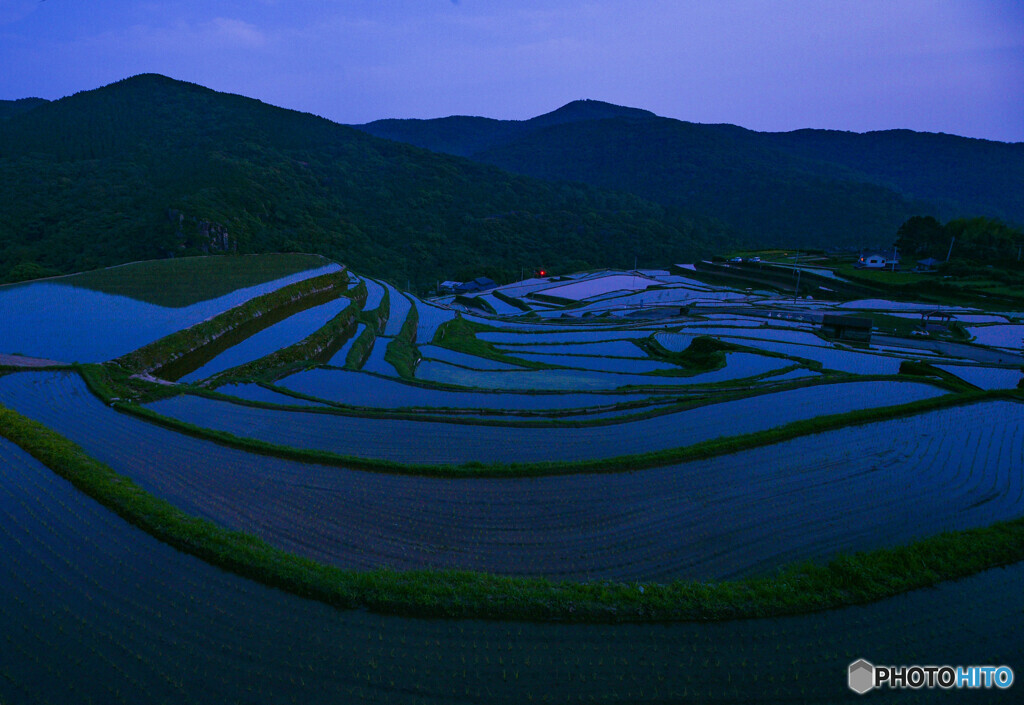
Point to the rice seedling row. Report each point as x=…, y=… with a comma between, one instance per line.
x=599, y=364
x=363, y=390
x=454, y=357
x=652, y=525
x=196, y=634
x=600, y=348
x=436, y=442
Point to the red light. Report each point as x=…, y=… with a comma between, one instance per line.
x=542, y=273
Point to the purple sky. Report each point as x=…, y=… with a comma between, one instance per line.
x=933, y=65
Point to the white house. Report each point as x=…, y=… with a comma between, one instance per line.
x=876, y=260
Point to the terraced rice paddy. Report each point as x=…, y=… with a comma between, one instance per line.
x=589, y=476
x=39, y=316
x=280, y=335
x=362, y=390
x=986, y=377
x=104, y=612
x=738, y=366
x=338, y=359
x=432, y=442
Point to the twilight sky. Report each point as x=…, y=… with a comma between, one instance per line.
x=952, y=66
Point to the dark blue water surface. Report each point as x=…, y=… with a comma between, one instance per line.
x=71, y=324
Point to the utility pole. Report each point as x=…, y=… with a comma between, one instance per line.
x=797, y=289
x=950, y=248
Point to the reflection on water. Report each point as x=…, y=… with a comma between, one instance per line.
x=70, y=324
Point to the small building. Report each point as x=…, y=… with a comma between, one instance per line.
x=877, y=259
x=935, y=320
x=926, y=265
x=478, y=284
x=853, y=328
x=448, y=287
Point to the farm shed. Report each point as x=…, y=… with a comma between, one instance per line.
x=935, y=320
x=854, y=328
x=478, y=284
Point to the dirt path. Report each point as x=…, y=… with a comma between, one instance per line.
x=22, y=361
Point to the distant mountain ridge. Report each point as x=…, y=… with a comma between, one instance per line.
x=10, y=108
x=150, y=167
x=809, y=187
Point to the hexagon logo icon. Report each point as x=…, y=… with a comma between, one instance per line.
x=861, y=676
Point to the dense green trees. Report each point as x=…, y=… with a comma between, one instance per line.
x=89, y=181
x=973, y=239
x=807, y=188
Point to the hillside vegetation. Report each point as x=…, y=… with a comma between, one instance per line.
x=151, y=167
x=810, y=188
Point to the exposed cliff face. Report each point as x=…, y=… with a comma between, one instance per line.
x=203, y=235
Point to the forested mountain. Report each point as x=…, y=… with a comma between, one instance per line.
x=809, y=187
x=150, y=167
x=10, y=108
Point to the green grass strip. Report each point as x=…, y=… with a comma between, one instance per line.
x=622, y=463
x=338, y=328
x=361, y=348
x=459, y=335
x=806, y=587
x=401, y=352
x=175, y=345
x=477, y=302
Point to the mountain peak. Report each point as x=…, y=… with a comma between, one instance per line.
x=582, y=110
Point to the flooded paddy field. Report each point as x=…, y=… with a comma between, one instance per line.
x=102, y=608
x=116, y=611
x=573, y=526
x=39, y=316
x=433, y=442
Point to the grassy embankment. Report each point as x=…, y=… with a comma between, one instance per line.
x=302, y=354
x=401, y=352
x=459, y=335
x=375, y=320
x=181, y=281
x=245, y=319
x=512, y=301
x=801, y=588
x=625, y=463
x=477, y=302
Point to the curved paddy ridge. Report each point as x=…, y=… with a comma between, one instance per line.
x=948, y=469
x=122, y=617
x=439, y=442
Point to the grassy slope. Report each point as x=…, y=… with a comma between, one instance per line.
x=186, y=280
